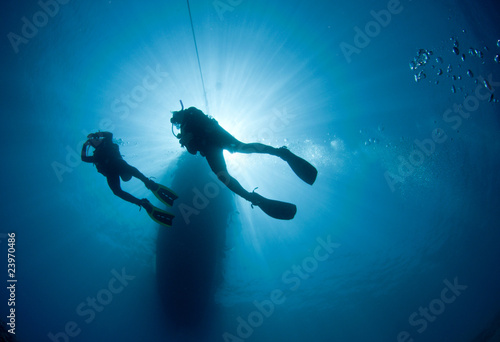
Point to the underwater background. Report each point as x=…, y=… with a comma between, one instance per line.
x=394, y=102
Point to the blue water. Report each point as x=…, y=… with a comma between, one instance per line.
x=397, y=240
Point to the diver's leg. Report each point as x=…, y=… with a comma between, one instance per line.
x=256, y=148
x=114, y=184
x=217, y=163
x=301, y=167
x=234, y=145
x=129, y=169
x=237, y=146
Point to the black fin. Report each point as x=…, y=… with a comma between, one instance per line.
x=301, y=167
x=164, y=194
x=276, y=209
x=161, y=217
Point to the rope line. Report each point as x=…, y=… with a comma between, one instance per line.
x=198, y=56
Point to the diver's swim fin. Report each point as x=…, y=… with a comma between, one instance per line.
x=301, y=167
x=159, y=216
x=164, y=194
x=276, y=209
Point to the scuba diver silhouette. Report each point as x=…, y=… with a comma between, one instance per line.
x=201, y=133
x=109, y=162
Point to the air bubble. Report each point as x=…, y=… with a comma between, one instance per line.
x=420, y=76
x=421, y=59
x=476, y=52
x=487, y=85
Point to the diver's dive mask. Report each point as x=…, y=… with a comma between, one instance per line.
x=95, y=142
x=176, y=120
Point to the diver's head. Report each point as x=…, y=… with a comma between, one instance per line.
x=95, y=142
x=177, y=118
x=94, y=139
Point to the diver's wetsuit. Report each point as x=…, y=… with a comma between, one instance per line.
x=210, y=139
x=109, y=162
